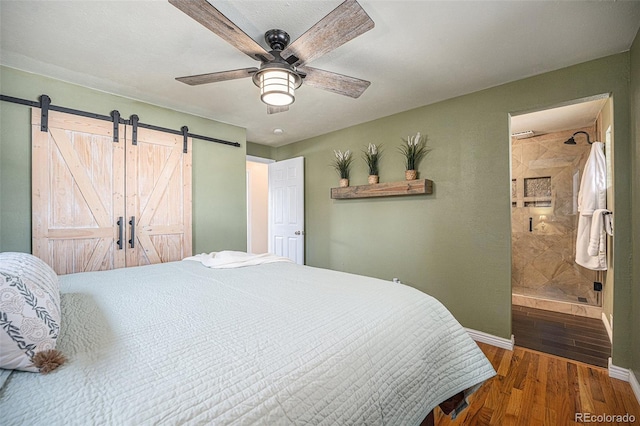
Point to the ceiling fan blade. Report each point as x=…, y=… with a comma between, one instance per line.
x=271, y=109
x=344, y=23
x=194, y=80
x=204, y=13
x=334, y=82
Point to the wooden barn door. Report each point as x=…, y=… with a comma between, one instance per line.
x=77, y=193
x=100, y=204
x=158, y=191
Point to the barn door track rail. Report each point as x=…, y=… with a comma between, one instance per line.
x=45, y=106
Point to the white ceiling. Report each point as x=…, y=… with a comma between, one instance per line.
x=572, y=116
x=419, y=52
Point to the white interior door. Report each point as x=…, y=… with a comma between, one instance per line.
x=286, y=209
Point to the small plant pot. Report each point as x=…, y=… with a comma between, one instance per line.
x=410, y=174
x=344, y=183
x=373, y=179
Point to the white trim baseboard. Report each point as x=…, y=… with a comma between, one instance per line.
x=607, y=326
x=626, y=375
x=490, y=339
x=633, y=381
x=619, y=373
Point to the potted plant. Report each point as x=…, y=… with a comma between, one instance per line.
x=342, y=164
x=414, y=151
x=372, y=158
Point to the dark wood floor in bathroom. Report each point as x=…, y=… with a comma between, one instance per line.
x=569, y=336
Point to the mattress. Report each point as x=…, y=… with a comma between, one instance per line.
x=273, y=344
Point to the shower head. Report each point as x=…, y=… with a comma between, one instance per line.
x=572, y=141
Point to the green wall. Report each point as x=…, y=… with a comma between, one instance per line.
x=456, y=243
x=219, y=202
x=635, y=131
x=262, y=151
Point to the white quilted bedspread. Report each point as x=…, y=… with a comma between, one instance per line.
x=275, y=344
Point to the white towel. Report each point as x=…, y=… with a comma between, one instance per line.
x=235, y=259
x=592, y=196
x=600, y=224
x=593, y=185
x=608, y=223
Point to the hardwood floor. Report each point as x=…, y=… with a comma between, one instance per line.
x=533, y=388
x=569, y=336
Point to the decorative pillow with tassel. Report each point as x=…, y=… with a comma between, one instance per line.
x=29, y=314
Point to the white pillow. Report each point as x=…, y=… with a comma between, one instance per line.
x=29, y=311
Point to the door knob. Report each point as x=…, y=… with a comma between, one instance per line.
x=299, y=233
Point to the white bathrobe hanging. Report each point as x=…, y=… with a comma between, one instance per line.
x=591, y=197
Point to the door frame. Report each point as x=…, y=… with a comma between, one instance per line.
x=610, y=273
x=249, y=190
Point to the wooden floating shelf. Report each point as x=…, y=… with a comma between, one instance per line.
x=387, y=189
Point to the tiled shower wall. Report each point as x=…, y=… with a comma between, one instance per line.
x=546, y=177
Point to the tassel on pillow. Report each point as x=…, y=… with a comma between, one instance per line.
x=49, y=360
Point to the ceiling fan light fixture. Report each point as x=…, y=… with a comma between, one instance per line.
x=279, y=76
x=277, y=87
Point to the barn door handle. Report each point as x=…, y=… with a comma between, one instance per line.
x=132, y=241
x=120, y=232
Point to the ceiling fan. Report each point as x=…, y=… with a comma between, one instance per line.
x=283, y=69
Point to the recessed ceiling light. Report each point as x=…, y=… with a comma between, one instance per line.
x=278, y=131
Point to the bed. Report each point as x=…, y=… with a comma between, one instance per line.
x=268, y=343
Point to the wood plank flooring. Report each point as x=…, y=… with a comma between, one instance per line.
x=533, y=388
x=569, y=336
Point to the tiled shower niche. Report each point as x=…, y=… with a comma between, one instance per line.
x=537, y=192
x=544, y=187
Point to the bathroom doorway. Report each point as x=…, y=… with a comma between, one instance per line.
x=546, y=173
